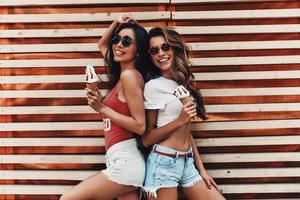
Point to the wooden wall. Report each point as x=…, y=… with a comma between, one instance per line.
x=246, y=60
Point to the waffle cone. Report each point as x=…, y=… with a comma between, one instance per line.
x=92, y=86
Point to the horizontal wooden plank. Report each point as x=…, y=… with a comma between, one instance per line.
x=201, y=46
x=46, y=174
x=99, y=141
x=80, y=17
x=81, y=175
x=276, y=44
x=216, y=1
x=228, y=108
x=213, y=61
x=85, y=109
x=248, y=141
x=185, y=30
x=34, y=189
x=18, y=3
x=227, y=189
x=250, y=91
x=240, y=29
x=49, y=142
x=203, y=126
x=245, y=60
x=51, y=126
x=205, y=76
x=261, y=188
x=205, y=92
x=34, y=48
x=236, y=14
x=251, y=157
x=51, y=63
x=44, y=93
x=66, y=159
x=46, y=79
x=52, y=33
x=246, y=125
x=207, y=158
x=273, y=198
x=255, y=172
x=46, y=110
x=213, y=76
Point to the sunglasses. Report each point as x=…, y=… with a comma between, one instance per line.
x=155, y=50
x=125, y=40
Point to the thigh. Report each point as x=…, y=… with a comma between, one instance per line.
x=200, y=191
x=134, y=195
x=165, y=193
x=97, y=186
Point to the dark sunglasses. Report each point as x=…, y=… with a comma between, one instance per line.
x=125, y=40
x=155, y=50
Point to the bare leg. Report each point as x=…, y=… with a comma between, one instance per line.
x=97, y=187
x=200, y=191
x=165, y=193
x=134, y=195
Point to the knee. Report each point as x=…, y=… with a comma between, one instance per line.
x=67, y=196
x=63, y=197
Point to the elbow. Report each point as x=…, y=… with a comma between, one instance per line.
x=100, y=45
x=140, y=130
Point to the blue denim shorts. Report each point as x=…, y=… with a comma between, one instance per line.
x=164, y=171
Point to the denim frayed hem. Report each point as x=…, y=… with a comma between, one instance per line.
x=152, y=192
x=120, y=182
x=193, y=182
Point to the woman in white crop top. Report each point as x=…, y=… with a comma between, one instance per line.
x=171, y=161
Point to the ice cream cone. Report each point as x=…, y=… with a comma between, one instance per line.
x=91, y=78
x=184, y=95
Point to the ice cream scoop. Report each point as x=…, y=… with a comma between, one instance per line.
x=91, y=78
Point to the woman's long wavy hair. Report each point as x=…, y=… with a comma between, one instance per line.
x=142, y=60
x=180, y=66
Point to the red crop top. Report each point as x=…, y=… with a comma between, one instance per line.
x=113, y=132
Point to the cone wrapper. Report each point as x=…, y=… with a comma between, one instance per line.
x=92, y=86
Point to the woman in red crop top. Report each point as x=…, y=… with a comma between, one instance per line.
x=124, y=46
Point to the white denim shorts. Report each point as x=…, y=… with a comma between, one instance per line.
x=125, y=164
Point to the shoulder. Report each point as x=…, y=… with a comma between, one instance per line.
x=155, y=81
x=160, y=84
x=131, y=76
x=153, y=86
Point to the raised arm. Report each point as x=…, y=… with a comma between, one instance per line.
x=103, y=43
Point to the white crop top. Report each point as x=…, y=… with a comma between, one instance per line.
x=159, y=95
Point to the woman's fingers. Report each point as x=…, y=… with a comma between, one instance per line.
x=188, y=104
x=207, y=181
x=126, y=18
x=214, y=183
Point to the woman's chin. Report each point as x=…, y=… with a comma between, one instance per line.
x=164, y=67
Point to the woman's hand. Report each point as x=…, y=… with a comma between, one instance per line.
x=126, y=18
x=208, y=180
x=188, y=112
x=95, y=100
